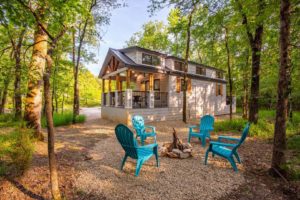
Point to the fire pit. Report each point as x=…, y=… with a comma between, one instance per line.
x=176, y=149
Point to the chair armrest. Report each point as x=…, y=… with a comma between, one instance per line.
x=193, y=127
x=222, y=144
x=149, y=146
x=207, y=129
x=151, y=127
x=228, y=138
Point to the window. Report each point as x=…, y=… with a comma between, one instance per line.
x=157, y=84
x=219, y=75
x=219, y=90
x=180, y=85
x=200, y=71
x=150, y=59
x=178, y=66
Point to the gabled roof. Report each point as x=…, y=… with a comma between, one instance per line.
x=121, y=56
x=143, y=49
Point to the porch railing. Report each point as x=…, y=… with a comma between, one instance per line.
x=121, y=99
x=160, y=99
x=140, y=99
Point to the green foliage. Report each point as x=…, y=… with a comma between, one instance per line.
x=16, y=149
x=153, y=36
x=62, y=119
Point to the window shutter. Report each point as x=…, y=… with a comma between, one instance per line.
x=217, y=86
x=178, y=83
x=189, y=85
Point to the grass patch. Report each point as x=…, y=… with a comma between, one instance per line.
x=62, y=119
x=293, y=162
x=8, y=120
x=16, y=149
x=234, y=125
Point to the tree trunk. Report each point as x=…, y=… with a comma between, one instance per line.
x=279, y=146
x=256, y=44
x=254, y=95
x=76, y=90
x=33, y=104
x=186, y=60
x=50, y=128
x=4, y=96
x=229, y=72
x=246, y=88
x=17, y=84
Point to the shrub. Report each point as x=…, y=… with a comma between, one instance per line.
x=16, y=149
x=62, y=119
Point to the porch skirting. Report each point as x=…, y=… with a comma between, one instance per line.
x=123, y=115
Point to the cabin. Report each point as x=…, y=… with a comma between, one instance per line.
x=139, y=81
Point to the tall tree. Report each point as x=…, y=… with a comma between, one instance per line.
x=279, y=146
x=228, y=70
x=255, y=42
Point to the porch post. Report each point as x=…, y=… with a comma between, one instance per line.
x=151, y=92
x=102, y=92
x=117, y=90
x=151, y=82
x=128, y=75
x=128, y=98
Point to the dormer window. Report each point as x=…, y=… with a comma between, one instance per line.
x=178, y=65
x=150, y=59
x=200, y=71
x=219, y=75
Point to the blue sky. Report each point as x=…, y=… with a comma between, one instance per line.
x=124, y=22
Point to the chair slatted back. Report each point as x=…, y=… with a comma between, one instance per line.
x=127, y=140
x=244, y=136
x=207, y=122
x=138, y=124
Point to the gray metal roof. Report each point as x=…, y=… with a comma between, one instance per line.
x=122, y=57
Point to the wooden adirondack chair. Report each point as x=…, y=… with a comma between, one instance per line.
x=140, y=129
x=206, y=126
x=133, y=150
x=228, y=150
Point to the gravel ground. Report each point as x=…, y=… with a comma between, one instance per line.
x=174, y=179
x=89, y=158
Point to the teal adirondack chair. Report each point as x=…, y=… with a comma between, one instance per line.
x=140, y=129
x=228, y=150
x=133, y=150
x=206, y=126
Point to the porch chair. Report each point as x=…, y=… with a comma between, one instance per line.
x=140, y=129
x=205, y=127
x=228, y=150
x=133, y=150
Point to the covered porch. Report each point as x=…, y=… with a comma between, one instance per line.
x=134, y=88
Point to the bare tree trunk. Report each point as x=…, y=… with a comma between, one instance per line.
x=4, y=95
x=186, y=60
x=246, y=88
x=279, y=146
x=17, y=84
x=76, y=90
x=33, y=104
x=229, y=72
x=50, y=128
